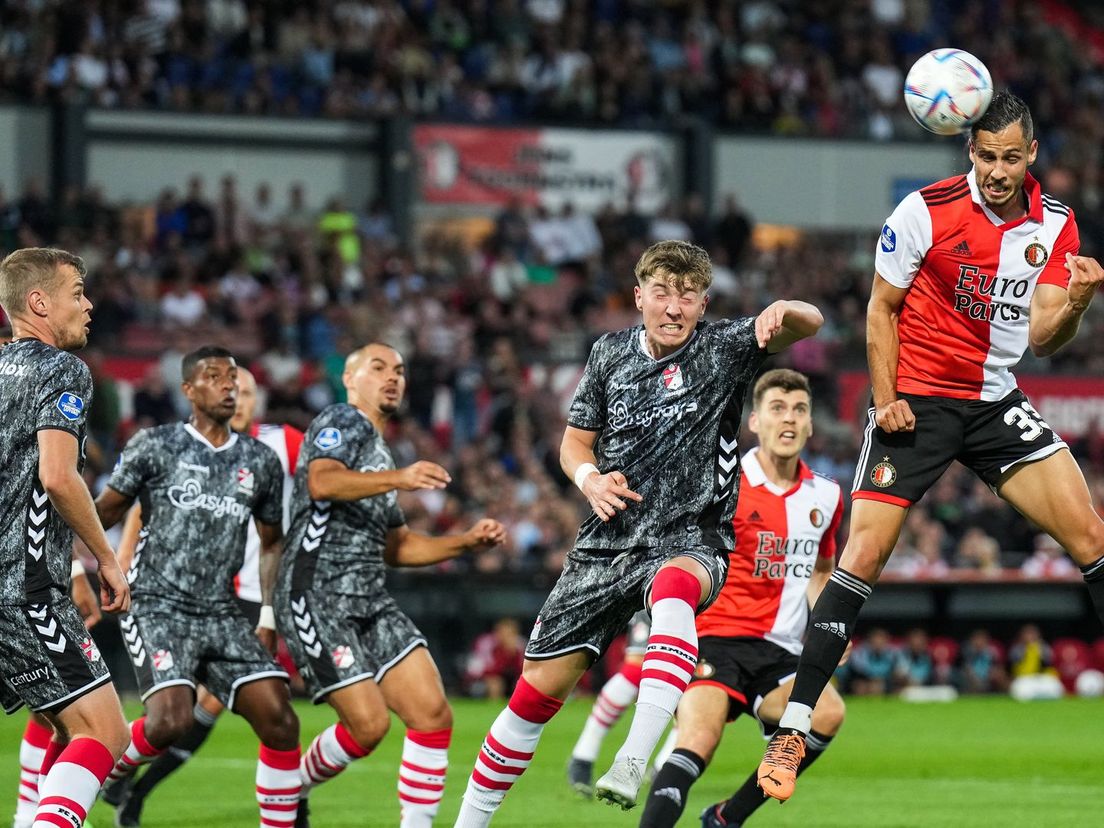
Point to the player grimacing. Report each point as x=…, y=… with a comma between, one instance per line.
x=651, y=442
x=786, y=523
x=970, y=272
x=355, y=648
x=49, y=662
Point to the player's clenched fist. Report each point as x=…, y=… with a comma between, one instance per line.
x=608, y=493
x=484, y=534
x=423, y=475
x=114, y=590
x=895, y=416
x=1086, y=275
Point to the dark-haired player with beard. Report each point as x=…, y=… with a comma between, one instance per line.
x=356, y=649
x=48, y=661
x=970, y=272
x=200, y=484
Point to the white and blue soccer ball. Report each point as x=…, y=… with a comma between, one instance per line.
x=947, y=90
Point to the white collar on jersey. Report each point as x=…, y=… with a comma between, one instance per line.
x=975, y=194
x=753, y=471
x=642, y=341
x=188, y=427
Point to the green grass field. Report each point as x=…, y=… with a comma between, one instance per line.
x=976, y=762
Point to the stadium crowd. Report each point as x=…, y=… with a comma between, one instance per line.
x=786, y=66
x=494, y=338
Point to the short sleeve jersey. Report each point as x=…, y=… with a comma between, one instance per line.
x=41, y=388
x=779, y=537
x=970, y=277
x=285, y=440
x=671, y=427
x=197, y=503
x=337, y=546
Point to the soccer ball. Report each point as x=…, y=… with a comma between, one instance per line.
x=947, y=90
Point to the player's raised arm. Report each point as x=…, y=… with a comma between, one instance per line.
x=406, y=548
x=606, y=493
x=329, y=479
x=57, y=471
x=1056, y=312
x=883, y=344
x=785, y=322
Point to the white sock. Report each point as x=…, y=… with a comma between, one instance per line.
x=617, y=694
x=69, y=789
x=32, y=749
x=422, y=776
x=328, y=755
x=667, y=749
x=797, y=716
x=278, y=786
x=669, y=661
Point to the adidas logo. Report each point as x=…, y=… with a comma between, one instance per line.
x=961, y=249
x=674, y=794
x=755, y=516
x=836, y=627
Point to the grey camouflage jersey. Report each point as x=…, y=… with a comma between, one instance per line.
x=41, y=388
x=337, y=546
x=197, y=501
x=670, y=426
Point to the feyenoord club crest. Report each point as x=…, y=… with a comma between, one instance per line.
x=343, y=656
x=883, y=474
x=704, y=669
x=816, y=517
x=672, y=377
x=245, y=481
x=1036, y=255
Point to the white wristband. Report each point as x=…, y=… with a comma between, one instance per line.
x=267, y=621
x=77, y=569
x=583, y=472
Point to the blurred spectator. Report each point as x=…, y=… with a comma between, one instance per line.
x=1029, y=654
x=494, y=664
x=153, y=403
x=183, y=305
x=976, y=550
x=914, y=666
x=1049, y=560
x=981, y=668
x=873, y=661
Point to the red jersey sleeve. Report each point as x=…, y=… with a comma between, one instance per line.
x=1068, y=241
x=828, y=541
x=293, y=439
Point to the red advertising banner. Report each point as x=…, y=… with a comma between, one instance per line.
x=1072, y=406
x=490, y=166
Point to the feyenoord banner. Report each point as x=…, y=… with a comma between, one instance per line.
x=1072, y=406
x=550, y=167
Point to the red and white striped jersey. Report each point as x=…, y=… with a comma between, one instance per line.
x=970, y=277
x=779, y=536
x=285, y=440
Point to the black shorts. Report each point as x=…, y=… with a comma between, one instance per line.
x=747, y=669
x=987, y=437
x=600, y=590
x=636, y=637
x=338, y=640
x=251, y=610
x=49, y=660
x=170, y=648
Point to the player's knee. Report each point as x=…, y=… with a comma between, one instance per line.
x=1088, y=545
x=828, y=715
x=115, y=736
x=369, y=731
x=167, y=724
x=280, y=728
x=435, y=716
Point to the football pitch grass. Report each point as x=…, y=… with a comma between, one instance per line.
x=974, y=762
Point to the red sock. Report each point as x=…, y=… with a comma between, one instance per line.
x=138, y=753
x=422, y=775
